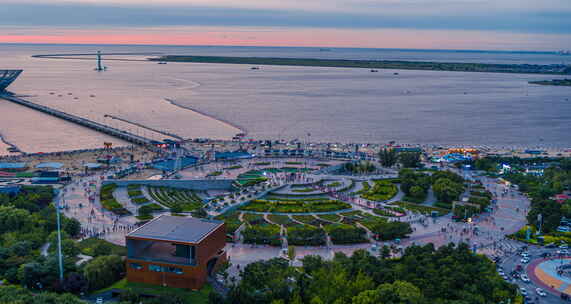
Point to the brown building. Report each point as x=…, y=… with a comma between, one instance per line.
x=175, y=251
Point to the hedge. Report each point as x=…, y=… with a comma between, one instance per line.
x=306, y=236
x=346, y=234
x=262, y=234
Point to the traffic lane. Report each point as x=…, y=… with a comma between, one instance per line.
x=510, y=263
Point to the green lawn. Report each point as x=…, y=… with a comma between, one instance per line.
x=95, y=247
x=190, y=297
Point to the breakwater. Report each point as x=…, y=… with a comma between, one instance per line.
x=242, y=129
x=124, y=135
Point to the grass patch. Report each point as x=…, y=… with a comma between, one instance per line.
x=95, y=247
x=294, y=206
x=382, y=190
x=330, y=217
x=280, y=219
x=215, y=173
x=303, y=190
x=293, y=163
x=134, y=193
x=140, y=200
x=189, y=297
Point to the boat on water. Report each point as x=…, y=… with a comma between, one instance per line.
x=13, y=150
x=374, y=71
x=564, y=52
x=162, y=62
x=254, y=68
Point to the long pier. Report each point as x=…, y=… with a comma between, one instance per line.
x=124, y=135
x=144, y=127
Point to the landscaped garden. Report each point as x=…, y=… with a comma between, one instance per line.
x=346, y=234
x=426, y=210
x=232, y=220
x=109, y=202
x=382, y=190
x=180, y=200
x=304, y=235
x=262, y=234
x=136, y=195
x=295, y=206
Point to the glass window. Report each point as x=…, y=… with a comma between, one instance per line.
x=155, y=268
x=136, y=266
x=174, y=270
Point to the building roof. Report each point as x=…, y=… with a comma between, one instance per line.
x=176, y=228
x=49, y=165
x=13, y=165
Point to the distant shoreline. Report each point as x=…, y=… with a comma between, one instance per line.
x=554, y=82
x=554, y=69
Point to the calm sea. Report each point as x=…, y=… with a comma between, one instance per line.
x=330, y=104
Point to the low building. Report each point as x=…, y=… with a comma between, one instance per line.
x=175, y=251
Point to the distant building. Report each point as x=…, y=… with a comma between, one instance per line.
x=235, y=155
x=408, y=149
x=13, y=167
x=175, y=251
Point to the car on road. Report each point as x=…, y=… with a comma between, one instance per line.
x=99, y=301
x=563, y=246
x=540, y=292
x=525, y=254
x=563, y=229
x=524, y=260
x=524, y=278
x=565, y=251
x=523, y=291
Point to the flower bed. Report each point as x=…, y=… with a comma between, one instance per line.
x=232, y=221
x=140, y=200
x=309, y=220
x=187, y=200
x=294, y=206
x=109, y=202
x=134, y=193
x=280, y=219
x=304, y=235
x=330, y=217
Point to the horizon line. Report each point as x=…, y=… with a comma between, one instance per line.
x=270, y=46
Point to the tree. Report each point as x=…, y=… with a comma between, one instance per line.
x=418, y=193
x=399, y=292
x=388, y=157
x=409, y=159
x=446, y=190
x=103, y=271
x=12, y=219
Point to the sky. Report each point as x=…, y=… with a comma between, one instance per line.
x=436, y=24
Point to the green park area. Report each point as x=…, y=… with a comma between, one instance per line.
x=381, y=190
x=295, y=205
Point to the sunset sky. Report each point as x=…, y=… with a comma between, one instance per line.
x=442, y=24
